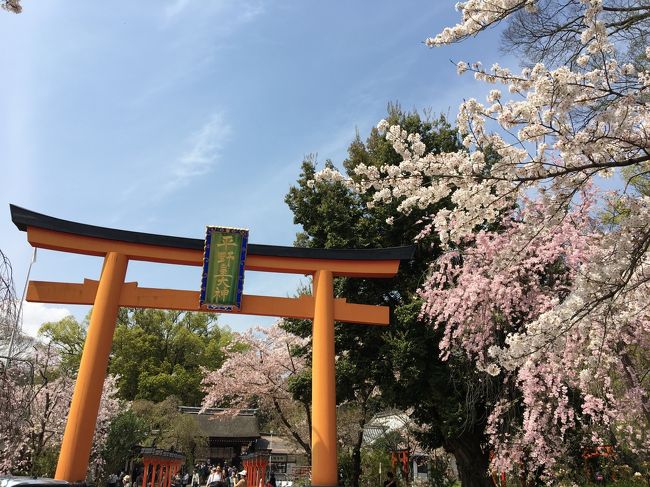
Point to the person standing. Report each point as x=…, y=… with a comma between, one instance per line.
x=242, y=479
x=220, y=477
x=210, y=478
x=205, y=473
x=213, y=478
x=112, y=480
x=196, y=478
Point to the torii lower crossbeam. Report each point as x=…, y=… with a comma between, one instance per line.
x=133, y=296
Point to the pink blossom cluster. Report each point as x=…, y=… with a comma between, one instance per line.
x=507, y=301
x=109, y=407
x=259, y=368
x=484, y=296
x=502, y=279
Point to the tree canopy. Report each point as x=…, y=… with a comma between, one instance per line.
x=159, y=353
x=165, y=426
x=155, y=354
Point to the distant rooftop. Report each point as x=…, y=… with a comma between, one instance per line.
x=279, y=445
x=225, y=423
x=197, y=410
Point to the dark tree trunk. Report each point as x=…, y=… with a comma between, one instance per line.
x=356, y=460
x=472, y=462
x=356, y=450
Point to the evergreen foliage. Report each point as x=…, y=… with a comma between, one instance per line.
x=395, y=366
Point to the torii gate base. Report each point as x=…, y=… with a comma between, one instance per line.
x=119, y=246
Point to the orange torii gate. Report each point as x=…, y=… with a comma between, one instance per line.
x=118, y=247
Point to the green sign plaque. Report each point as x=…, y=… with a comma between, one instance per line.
x=222, y=283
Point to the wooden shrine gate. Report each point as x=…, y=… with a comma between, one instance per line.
x=118, y=247
x=159, y=467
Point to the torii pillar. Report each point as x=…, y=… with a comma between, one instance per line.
x=118, y=247
x=323, y=384
x=80, y=427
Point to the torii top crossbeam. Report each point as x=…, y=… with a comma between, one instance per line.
x=118, y=247
x=47, y=232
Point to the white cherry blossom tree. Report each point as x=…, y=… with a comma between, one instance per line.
x=575, y=116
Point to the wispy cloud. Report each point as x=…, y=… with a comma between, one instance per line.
x=238, y=11
x=205, y=147
x=174, y=8
x=251, y=10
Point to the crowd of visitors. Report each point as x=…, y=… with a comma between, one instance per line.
x=225, y=477
x=203, y=475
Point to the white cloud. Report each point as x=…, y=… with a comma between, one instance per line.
x=35, y=314
x=205, y=148
x=251, y=10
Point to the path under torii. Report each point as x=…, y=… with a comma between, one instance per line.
x=118, y=247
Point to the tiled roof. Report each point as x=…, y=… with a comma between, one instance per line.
x=225, y=425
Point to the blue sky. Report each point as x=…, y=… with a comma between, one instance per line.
x=165, y=116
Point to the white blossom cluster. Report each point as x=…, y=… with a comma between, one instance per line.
x=11, y=6
x=550, y=143
x=477, y=15
x=565, y=128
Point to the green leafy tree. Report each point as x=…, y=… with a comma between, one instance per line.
x=68, y=336
x=155, y=354
x=398, y=361
x=159, y=353
x=166, y=427
x=126, y=430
